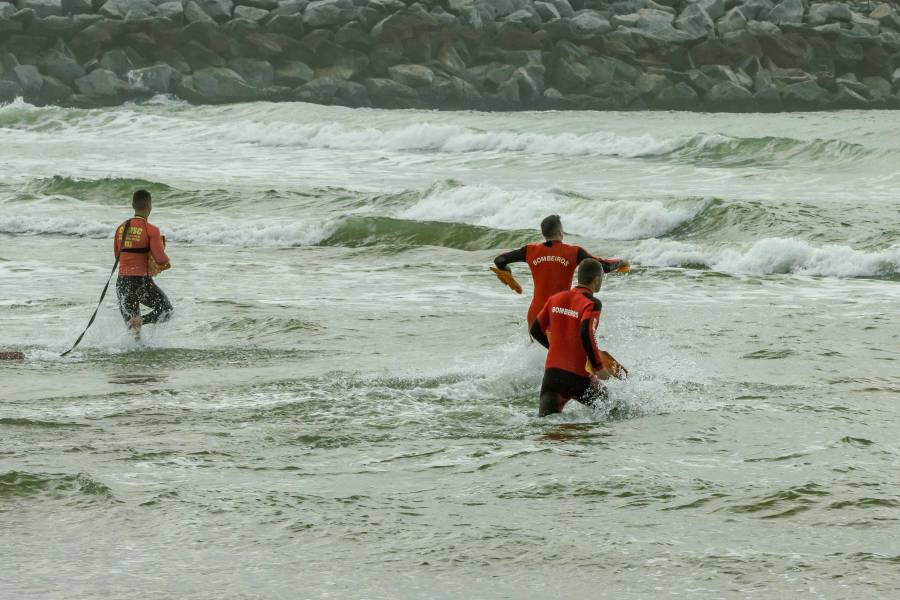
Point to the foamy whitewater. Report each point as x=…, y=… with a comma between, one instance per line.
x=344, y=403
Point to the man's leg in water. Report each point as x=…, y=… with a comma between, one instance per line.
x=128, y=295
x=596, y=395
x=551, y=403
x=559, y=386
x=128, y=292
x=154, y=297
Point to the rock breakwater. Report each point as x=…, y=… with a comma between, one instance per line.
x=719, y=55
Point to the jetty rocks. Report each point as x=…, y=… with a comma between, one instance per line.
x=709, y=55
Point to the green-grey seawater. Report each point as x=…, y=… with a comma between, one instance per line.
x=344, y=404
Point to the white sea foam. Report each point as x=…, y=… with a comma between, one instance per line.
x=501, y=209
x=245, y=233
x=774, y=255
x=451, y=139
x=46, y=224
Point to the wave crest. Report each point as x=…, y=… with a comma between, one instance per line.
x=774, y=255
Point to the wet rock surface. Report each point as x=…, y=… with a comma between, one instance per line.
x=705, y=55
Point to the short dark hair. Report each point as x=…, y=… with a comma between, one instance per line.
x=551, y=226
x=140, y=200
x=589, y=270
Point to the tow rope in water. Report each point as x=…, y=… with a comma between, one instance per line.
x=105, y=288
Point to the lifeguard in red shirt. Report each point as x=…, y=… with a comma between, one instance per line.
x=142, y=255
x=575, y=363
x=552, y=264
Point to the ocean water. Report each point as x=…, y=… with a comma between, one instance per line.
x=344, y=404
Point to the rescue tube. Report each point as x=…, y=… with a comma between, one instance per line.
x=153, y=267
x=507, y=279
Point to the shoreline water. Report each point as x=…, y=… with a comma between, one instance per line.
x=344, y=403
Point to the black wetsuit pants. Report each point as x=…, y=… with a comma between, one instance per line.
x=133, y=291
x=559, y=386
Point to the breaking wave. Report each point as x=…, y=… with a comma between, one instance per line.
x=774, y=255
x=710, y=149
x=257, y=126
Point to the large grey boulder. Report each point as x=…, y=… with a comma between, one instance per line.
x=886, y=15
x=221, y=84
x=528, y=17
x=756, y=10
x=43, y=8
x=651, y=84
x=695, y=21
x=101, y=84
x=895, y=78
x=352, y=94
x=453, y=92
x=653, y=25
x=730, y=96
x=52, y=27
x=763, y=28
x=401, y=25
x=288, y=8
x=218, y=10
x=879, y=87
x=734, y=20
x=266, y=5
x=787, y=12
x=323, y=13
x=118, y=62
x=324, y=90
x=61, y=66
x=546, y=11
x=821, y=13
x=131, y=9
x=589, y=25
x=353, y=35
x=251, y=13
x=569, y=76
x=54, y=91
x=768, y=99
x=680, y=96
x=29, y=78
x=862, y=26
x=847, y=98
x=348, y=64
x=289, y=25
x=413, y=76
x=256, y=72
x=490, y=76
x=851, y=82
x=625, y=7
x=194, y=13
x=563, y=7
x=387, y=93
x=804, y=95
x=293, y=74
x=173, y=11
x=76, y=7
x=724, y=73
x=450, y=60
x=158, y=78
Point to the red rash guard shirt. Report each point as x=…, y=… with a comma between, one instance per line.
x=552, y=268
x=572, y=318
x=143, y=237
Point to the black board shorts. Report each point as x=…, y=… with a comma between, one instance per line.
x=559, y=386
x=134, y=290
